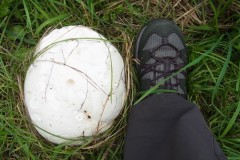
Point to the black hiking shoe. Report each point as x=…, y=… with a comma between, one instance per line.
x=161, y=50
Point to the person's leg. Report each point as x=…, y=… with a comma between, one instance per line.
x=166, y=126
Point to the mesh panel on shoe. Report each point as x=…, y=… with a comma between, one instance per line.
x=153, y=42
x=176, y=41
x=165, y=60
x=165, y=51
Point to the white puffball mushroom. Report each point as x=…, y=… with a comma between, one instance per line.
x=76, y=85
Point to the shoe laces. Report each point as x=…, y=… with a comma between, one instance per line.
x=167, y=62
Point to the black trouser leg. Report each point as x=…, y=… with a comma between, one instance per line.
x=168, y=127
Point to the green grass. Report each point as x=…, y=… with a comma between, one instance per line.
x=212, y=34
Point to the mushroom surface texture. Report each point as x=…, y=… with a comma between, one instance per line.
x=75, y=87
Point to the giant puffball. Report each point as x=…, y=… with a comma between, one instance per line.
x=75, y=87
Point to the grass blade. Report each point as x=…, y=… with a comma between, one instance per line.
x=50, y=21
x=223, y=71
x=216, y=14
x=40, y=10
x=232, y=121
x=29, y=23
x=238, y=80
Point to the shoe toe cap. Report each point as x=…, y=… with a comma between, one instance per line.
x=161, y=27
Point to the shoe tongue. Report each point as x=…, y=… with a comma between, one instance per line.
x=165, y=68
